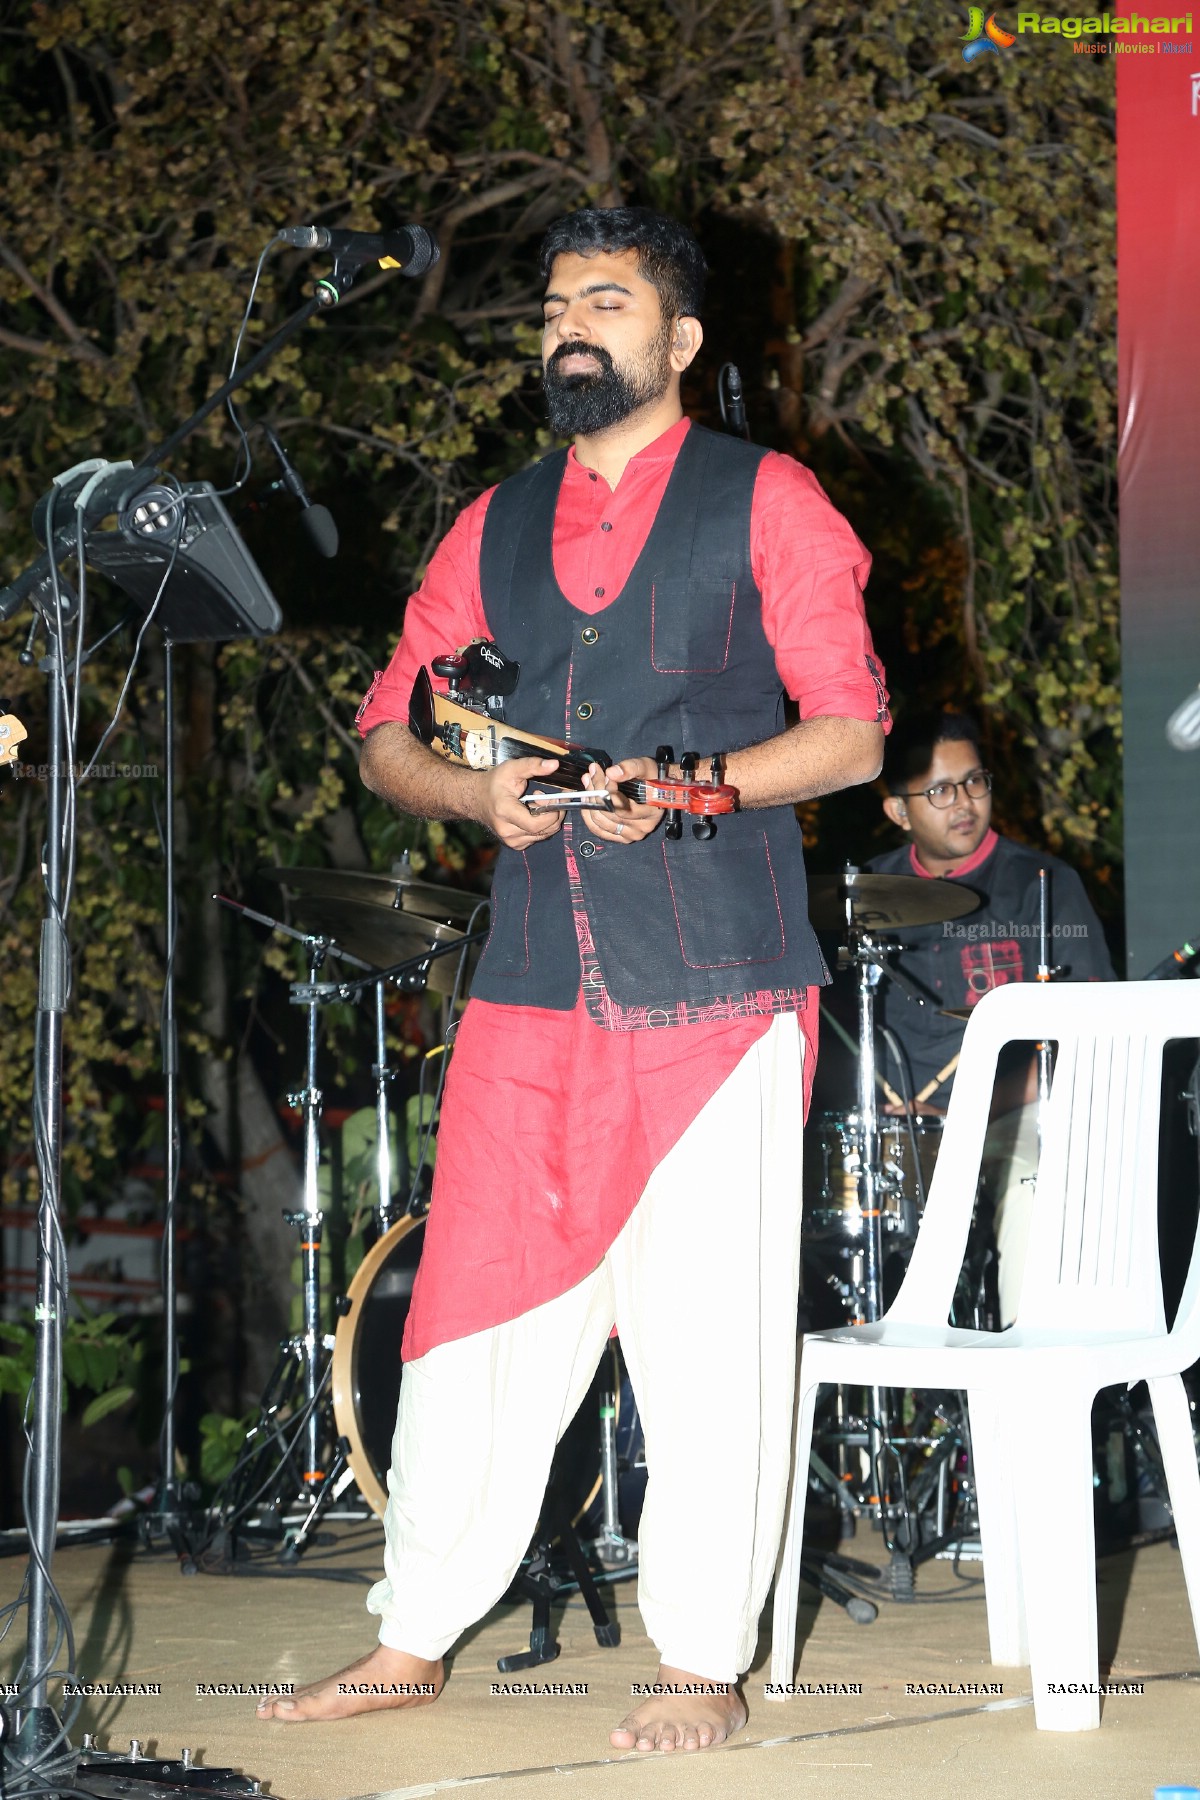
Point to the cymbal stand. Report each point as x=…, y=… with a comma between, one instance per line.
x=389, y=1190
x=309, y=1220
x=868, y=953
x=317, y=1485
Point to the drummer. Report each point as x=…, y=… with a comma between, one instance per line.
x=939, y=795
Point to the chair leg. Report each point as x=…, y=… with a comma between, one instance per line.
x=787, y=1574
x=1173, y=1421
x=1008, y=1637
x=1048, y=1438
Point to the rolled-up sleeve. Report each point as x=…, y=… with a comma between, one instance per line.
x=811, y=569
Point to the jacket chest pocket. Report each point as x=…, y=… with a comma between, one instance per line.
x=691, y=627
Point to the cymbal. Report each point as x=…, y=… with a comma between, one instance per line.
x=885, y=902
x=395, y=893
x=382, y=918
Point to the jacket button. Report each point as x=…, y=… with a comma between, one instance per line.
x=584, y=710
x=587, y=848
x=589, y=635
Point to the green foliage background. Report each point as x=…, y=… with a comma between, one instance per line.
x=913, y=264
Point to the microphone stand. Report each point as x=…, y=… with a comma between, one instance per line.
x=37, y=1725
x=38, y=1730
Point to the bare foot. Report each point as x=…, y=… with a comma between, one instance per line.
x=384, y=1678
x=687, y=1713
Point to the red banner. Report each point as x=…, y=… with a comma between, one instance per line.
x=1158, y=296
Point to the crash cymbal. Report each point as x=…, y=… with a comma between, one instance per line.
x=396, y=892
x=955, y=1012
x=382, y=918
x=885, y=902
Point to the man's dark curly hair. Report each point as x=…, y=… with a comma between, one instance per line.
x=669, y=257
x=910, y=748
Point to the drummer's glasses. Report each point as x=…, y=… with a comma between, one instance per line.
x=944, y=793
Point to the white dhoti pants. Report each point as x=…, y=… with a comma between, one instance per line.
x=702, y=1285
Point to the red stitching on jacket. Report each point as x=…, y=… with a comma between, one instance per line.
x=720, y=667
x=745, y=959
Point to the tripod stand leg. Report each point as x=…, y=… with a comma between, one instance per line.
x=299, y=1541
x=537, y=1583
x=608, y=1632
x=815, y=1572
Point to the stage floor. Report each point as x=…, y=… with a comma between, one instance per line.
x=138, y=1620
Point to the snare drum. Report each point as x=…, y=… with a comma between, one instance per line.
x=833, y=1171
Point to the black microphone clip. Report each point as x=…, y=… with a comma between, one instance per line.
x=318, y=521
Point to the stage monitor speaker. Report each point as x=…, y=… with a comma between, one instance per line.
x=215, y=590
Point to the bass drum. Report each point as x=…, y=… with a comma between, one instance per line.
x=366, y=1355
x=366, y=1389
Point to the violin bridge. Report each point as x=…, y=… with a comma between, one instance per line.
x=479, y=749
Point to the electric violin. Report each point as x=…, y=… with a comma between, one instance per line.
x=467, y=726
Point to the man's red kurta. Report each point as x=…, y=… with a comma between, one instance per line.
x=554, y=1121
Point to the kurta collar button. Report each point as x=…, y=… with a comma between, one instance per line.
x=584, y=710
x=587, y=848
x=599, y=593
x=589, y=635
x=605, y=525
x=592, y=476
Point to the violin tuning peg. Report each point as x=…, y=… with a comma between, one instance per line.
x=704, y=829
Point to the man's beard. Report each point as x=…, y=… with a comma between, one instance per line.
x=584, y=405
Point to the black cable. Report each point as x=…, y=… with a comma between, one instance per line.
x=299, y=1420
x=242, y=475
x=180, y=511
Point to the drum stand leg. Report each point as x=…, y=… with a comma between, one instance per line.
x=310, y=1219
x=299, y=1540
x=536, y=1582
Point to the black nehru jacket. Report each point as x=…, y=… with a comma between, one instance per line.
x=679, y=657
x=954, y=963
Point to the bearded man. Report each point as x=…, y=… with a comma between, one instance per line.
x=620, y=1136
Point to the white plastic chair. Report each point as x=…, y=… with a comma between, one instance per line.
x=1090, y=1316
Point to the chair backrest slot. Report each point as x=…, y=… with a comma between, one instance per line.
x=1092, y=1258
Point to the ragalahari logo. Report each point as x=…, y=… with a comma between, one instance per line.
x=984, y=35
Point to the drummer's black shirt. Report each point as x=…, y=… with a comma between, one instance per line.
x=958, y=961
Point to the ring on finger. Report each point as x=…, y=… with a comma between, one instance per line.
x=620, y=827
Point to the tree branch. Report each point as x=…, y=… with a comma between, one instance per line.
x=83, y=346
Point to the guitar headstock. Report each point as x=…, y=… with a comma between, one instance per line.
x=12, y=733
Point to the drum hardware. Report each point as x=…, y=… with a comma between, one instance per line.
x=382, y=1074
x=612, y=1547
x=873, y=902
x=536, y=1581
x=864, y=906
x=305, y=1359
x=386, y=921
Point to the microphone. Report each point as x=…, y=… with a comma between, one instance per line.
x=733, y=404
x=318, y=521
x=1183, y=726
x=411, y=248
